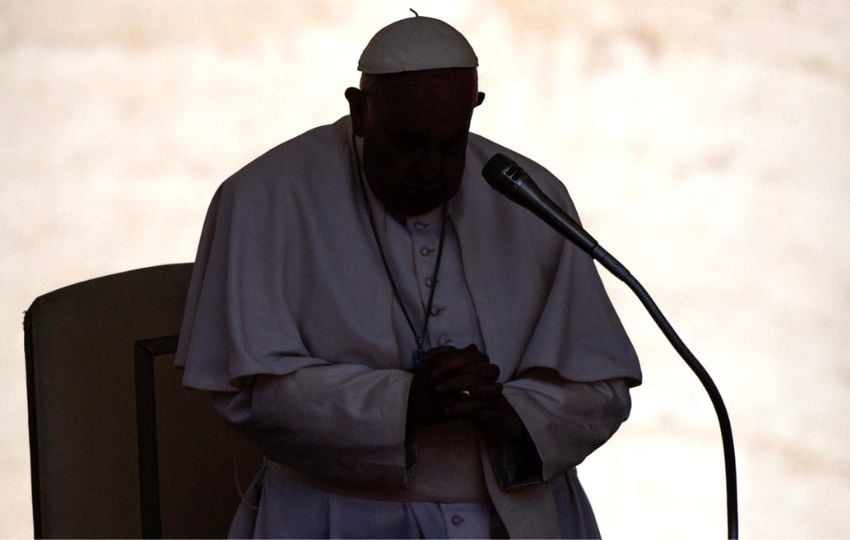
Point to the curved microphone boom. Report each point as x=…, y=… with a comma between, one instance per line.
x=510, y=180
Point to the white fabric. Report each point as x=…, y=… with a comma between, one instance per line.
x=289, y=509
x=416, y=44
x=288, y=284
x=287, y=259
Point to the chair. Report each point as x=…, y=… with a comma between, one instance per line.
x=118, y=448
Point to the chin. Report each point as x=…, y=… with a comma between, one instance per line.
x=416, y=206
x=419, y=206
x=413, y=210
x=412, y=206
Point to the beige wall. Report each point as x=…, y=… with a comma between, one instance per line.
x=704, y=142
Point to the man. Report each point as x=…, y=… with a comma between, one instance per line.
x=416, y=356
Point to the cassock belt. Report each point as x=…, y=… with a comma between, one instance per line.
x=453, y=466
x=447, y=469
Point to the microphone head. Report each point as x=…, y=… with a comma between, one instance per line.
x=496, y=172
x=508, y=178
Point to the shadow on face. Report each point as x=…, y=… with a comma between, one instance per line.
x=415, y=127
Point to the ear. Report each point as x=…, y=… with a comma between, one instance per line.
x=357, y=108
x=480, y=99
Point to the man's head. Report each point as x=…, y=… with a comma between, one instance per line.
x=413, y=110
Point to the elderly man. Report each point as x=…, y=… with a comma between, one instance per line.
x=416, y=356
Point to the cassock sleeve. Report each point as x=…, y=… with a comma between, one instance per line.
x=336, y=422
x=566, y=421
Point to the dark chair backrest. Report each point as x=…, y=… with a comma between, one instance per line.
x=118, y=448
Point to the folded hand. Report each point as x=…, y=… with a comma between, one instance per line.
x=461, y=383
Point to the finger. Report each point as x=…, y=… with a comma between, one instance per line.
x=486, y=392
x=447, y=349
x=487, y=373
x=483, y=369
x=438, y=353
x=430, y=354
x=447, y=401
x=473, y=408
x=467, y=360
x=435, y=352
x=457, y=383
x=465, y=381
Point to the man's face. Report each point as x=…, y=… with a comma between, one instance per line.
x=415, y=128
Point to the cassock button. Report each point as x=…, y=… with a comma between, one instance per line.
x=420, y=226
x=436, y=310
x=456, y=520
x=425, y=251
x=445, y=341
x=429, y=282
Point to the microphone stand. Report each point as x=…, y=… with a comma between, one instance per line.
x=620, y=271
x=508, y=178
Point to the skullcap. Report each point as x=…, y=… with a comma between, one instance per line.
x=416, y=44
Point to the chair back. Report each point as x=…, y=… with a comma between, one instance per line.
x=119, y=449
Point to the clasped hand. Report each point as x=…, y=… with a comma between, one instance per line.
x=461, y=383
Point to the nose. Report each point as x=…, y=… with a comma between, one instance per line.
x=428, y=166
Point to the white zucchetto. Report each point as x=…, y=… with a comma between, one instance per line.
x=416, y=44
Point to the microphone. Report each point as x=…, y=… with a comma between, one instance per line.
x=508, y=178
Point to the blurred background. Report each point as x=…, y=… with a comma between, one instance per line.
x=706, y=144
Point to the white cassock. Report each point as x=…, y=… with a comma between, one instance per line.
x=291, y=321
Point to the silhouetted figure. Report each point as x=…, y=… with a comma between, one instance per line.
x=415, y=355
